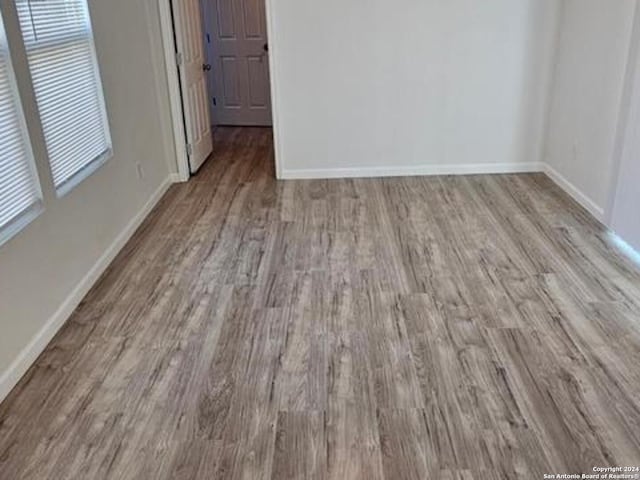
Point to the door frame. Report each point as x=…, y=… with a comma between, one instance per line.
x=629, y=107
x=175, y=98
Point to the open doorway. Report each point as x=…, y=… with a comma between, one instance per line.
x=235, y=37
x=218, y=67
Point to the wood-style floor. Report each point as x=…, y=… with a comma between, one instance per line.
x=475, y=327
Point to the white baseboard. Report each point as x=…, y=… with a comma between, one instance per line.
x=592, y=207
x=177, y=178
x=30, y=353
x=407, y=171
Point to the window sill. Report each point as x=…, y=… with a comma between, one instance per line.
x=84, y=173
x=20, y=222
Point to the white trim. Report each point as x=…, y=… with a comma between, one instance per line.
x=574, y=192
x=274, y=86
x=176, y=178
x=405, y=171
x=15, y=226
x=27, y=357
x=85, y=172
x=177, y=123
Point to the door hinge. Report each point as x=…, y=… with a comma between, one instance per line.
x=189, y=149
x=179, y=59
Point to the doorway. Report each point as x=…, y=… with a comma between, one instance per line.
x=237, y=48
x=198, y=101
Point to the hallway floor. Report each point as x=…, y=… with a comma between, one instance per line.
x=471, y=327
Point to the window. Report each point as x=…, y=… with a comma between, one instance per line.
x=20, y=198
x=62, y=59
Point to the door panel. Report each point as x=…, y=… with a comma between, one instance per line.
x=225, y=20
x=258, y=76
x=240, y=75
x=253, y=14
x=193, y=80
x=230, y=91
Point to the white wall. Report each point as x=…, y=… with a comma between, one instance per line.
x=592, y=58
x=44, y=266
x=414, y=86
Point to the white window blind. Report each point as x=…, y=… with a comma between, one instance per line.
x=19, y=188
x=61, y=54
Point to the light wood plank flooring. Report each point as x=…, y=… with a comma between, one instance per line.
x=474, y=327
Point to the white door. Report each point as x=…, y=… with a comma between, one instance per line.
x=193, y=80
x=624, y=214
x=238, y=49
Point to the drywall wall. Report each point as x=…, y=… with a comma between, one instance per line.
x=46, y=268
x=591, y=65
x=416, y=86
